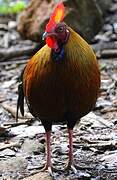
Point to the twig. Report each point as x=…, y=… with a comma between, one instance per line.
x=13, y=144
x=106, y=110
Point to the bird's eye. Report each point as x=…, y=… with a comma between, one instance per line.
x=60, y=29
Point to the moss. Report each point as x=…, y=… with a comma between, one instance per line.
x=12, y=9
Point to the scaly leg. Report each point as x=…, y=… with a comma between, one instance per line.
x=48, y=165
x=70, y=164
x=48, y=150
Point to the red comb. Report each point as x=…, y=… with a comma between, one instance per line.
x=56, y=17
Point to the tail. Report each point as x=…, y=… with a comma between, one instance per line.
x=20, y=100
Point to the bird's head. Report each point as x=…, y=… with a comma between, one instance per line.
x=56, y=33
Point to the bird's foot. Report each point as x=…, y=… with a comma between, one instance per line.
x=70, y=166
x=49, y=169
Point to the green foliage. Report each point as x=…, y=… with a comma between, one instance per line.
x=14, y=8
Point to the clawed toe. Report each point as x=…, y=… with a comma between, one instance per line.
x=49, y=169
x=73, y=168
x=70, y=167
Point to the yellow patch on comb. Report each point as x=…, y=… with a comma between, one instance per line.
x=58, y=16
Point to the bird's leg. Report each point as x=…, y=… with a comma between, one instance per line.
x=70, y=136
x=48, y=165
x=70, y=164
x=48, y=149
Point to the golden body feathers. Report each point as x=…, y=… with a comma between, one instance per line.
x=55, y=88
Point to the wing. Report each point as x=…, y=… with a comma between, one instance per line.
x=20, y=100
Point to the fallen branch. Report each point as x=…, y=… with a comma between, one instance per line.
x=104, y=46
x=109, y=53
x=5, y=146
x=6, y=54
x=14, y=124
x=100, y=145
x=18, y=60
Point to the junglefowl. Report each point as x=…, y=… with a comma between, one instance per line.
x=61, y=81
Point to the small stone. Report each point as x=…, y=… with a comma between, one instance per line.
x=113, y=8
x=31, y=146
x=84, y=175
x=7, y=152
x=107, y=27
x=12, y=24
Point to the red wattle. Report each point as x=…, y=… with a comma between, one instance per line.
x=50, y=42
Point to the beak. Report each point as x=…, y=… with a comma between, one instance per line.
x=45, y=34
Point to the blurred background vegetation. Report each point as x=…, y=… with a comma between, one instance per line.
x=8, y=7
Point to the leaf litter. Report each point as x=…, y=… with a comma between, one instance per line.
x=22, y=144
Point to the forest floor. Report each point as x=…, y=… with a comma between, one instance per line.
x=22, y=143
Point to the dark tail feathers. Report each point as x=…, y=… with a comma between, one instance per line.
x=20, y=101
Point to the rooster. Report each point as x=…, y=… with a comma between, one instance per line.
x=61, y=81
